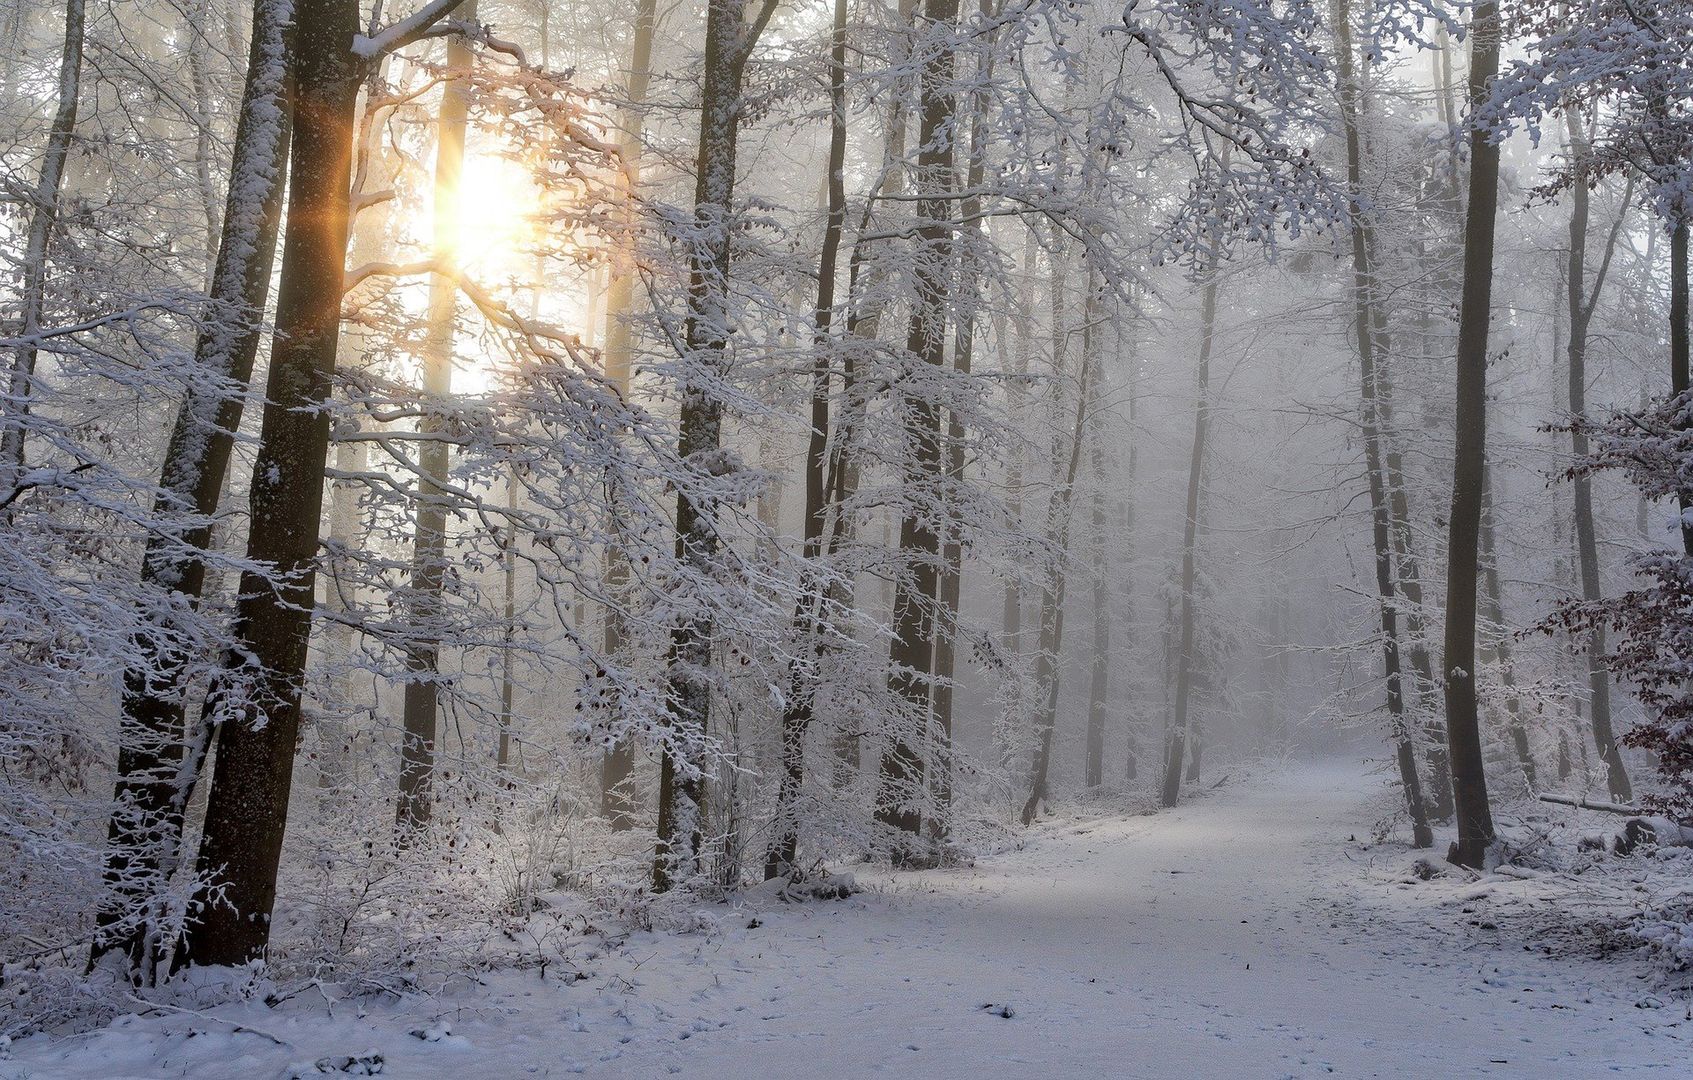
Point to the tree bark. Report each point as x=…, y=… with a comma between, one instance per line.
x=145, y=832
x=963, y=359
x=1099, y=678
x=1463, y=730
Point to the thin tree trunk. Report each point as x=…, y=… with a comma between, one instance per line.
x=1463, y=729
x=508, y=634
x=345, y=528
x=1678, y=349
x=1099, y=677
x=1131, y=763
x=904, y=769
x=729, y=40
x=1581, y=308
x=145, y=832
x=1177, y=748
x=1496, y=645
x=421, y=706
x=617, y=801
x=802, y=684
x=1059, y=515
x=43, y=215
x=1012, y=608
x=1364, y=327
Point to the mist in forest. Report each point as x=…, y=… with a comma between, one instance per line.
x=1137, y=539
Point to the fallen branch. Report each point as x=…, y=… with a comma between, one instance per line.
x=1587, y=804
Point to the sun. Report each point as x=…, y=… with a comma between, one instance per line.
x=491, y=229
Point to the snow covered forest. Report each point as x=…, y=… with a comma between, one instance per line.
x=721, y=537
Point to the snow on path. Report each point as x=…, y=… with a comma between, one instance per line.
x=1237, y=936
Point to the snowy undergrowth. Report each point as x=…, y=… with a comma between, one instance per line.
x=1558, y=887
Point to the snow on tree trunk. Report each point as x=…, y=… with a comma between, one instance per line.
x=729, y=40
x=155, y=775
x=43, y=215
x=800, y=710
x=906, y=764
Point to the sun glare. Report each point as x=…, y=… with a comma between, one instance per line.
x=491, y=230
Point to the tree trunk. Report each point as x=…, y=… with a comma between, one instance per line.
x=1131, y=763
x=802, y=684
x=970, y=257
x=1012, y=608
x=145, y=833
x=1177, y=748
x=729, y=40
x=421, y=705
x=335, y=751
x=1059, y=515
x=904, y=769
x=1678, y=349
x=1463, y=730
x=1099, y=677
x=1581, y=308
x=508, y=633
x=617, y=801
x=1496, y=646
x=43, y=215
x=1364, y=323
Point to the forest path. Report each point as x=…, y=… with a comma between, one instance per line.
x=1243, y=934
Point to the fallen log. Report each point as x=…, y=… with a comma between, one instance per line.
x=1641, y=830
x=1588, y=804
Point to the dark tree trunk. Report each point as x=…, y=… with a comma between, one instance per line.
x=255, y=706
x=729, y=40
x=970, y=257
x=145, y=833
x=905, y=768
x=1463, y=729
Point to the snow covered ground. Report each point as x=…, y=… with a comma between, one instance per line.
x=1255, y=932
